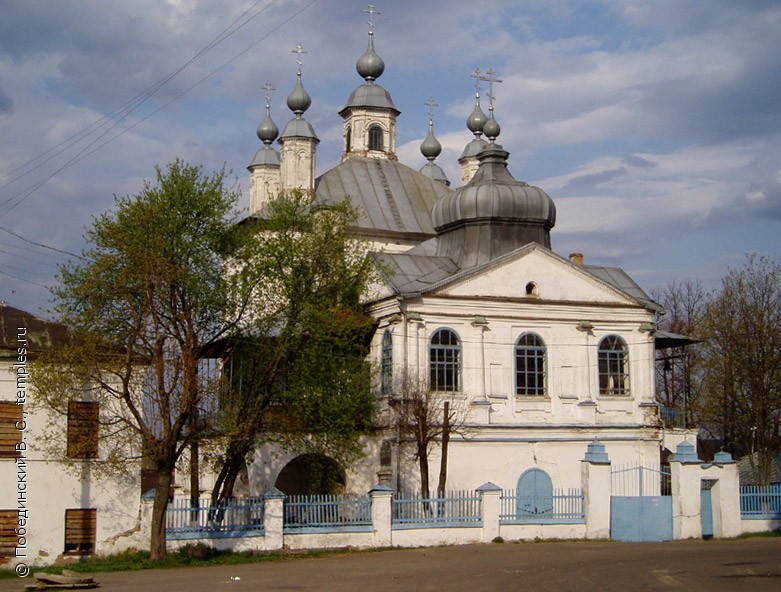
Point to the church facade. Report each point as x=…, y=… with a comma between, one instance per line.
x=539, y=354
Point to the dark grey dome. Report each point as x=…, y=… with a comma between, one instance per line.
x=370, y=65
x=475, y=147
x=491, y=129
x=431, y=148
x=476, y=119
x=433, y=171
x=491, y=215
x=370, y=95
x=493, y=193
x=300, y=128
x=298, y=100
x=267, y=130
x=265, y=156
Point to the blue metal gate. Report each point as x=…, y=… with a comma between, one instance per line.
x=641, y=507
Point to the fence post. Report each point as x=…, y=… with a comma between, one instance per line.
x=595, y=483
x=490, y=509
x=273, y=518
x=381, y=514
x=685, y=489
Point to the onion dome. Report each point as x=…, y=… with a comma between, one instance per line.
x=267, y=132
x=431, y=148
x=299, y=101
x=370, y=67
x=494, y=213
x=475, y=123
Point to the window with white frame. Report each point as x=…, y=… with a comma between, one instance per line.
x=613, y=360
x=445, y=361
x=530, y=370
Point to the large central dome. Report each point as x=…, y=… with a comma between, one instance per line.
x=493, y=214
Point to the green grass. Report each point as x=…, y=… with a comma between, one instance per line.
x=191, y=555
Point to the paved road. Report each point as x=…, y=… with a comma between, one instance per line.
x=714, y=566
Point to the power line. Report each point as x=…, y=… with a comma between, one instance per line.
x=131, y=106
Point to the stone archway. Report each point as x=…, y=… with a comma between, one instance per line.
x=311, y=474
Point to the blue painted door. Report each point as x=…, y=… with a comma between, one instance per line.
x=534, y=494
x=706, y=509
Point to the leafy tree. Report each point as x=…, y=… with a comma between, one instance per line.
x=147, y=298
x=297, y=370
x=743, y=362
x=679, y=371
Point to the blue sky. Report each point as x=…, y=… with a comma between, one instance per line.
x=654, y=125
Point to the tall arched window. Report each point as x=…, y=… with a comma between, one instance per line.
x=445, y=361
x=386, y=363
x=530, y=368
x=375, y=137
x=613, y=359
x=348, y=139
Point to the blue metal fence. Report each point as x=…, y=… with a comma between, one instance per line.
x=445, y=509
x=560, y=507
x=307, y=513
x=234, y=517
x=760, y=501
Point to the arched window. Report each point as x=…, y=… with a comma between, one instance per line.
x=445, y=361
x=386, y=363
x=534, y=495
x=613, y=359
x=530, y=368
x=348, y=139
x=375, y=137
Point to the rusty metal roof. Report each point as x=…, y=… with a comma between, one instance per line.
x=39, y=333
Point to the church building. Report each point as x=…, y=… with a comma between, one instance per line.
x=540, y=354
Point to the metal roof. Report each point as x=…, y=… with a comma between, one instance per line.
x=39, y=333
x=617, y=277
x=389, y=196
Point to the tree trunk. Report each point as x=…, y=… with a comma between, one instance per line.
x=423, y=462
x=445, y=441
x=195, y=482
x=157, y=545
x=223, y=486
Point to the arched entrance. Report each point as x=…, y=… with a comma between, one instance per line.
x=311, y=474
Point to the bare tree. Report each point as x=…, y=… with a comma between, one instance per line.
x=679, y=371
x=426, y=419
x=743, y=362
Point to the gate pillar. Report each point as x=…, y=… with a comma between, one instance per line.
x=595, y=482
x=685, y=474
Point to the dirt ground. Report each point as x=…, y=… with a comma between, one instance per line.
x=730, y=566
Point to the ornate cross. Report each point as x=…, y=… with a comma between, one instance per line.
x=371, y=11
x=492, y=79
x=300, y=51
x=477, y=75
x=431, y=103
x=268, y=88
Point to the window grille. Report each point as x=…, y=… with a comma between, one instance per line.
x=530, y=368
x=613, y=366
x=445, y=361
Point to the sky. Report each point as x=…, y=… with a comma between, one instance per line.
x=655, y=125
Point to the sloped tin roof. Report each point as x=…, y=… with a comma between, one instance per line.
x=390, y=196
